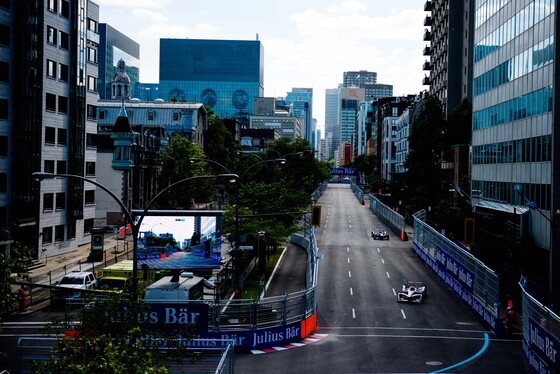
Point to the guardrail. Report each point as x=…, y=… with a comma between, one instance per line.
x=389, y=217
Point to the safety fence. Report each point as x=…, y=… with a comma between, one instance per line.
x=389, y=217
x=201, y=356
x=470, y=280
x=541, y=333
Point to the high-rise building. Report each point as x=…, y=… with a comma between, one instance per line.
x=349, y=100
x=356, y=78
x=113, y=47
x=301, y=100
x=448, y=33
x=515, y=137
x=332, y=125
x=225, y=75
x=48, y=92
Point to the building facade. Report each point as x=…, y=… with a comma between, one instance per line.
x=515, y=135
x=225, y=75
x=332, y=126
x=115, y=46
x=50, y=54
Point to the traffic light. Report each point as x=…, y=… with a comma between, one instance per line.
x=316, y=215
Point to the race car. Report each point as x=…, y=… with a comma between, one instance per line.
x=379, y=234
x=412, y=292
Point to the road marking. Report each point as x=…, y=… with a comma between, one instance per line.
x=351, y=292
x=347, y=249
x=348, y=259
x=353, y=313
x=394, y=292
x=388, y=276
x=349, y=274
x=484, y=346
x=378, y=250
x=403, y=315
x=382, y=260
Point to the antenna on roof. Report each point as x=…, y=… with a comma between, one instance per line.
x=257, y=36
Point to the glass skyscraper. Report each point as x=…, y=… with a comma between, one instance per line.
x=515, y=138
x=225, y=75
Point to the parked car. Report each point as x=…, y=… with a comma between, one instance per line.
x=71, y=283
x=379, y=234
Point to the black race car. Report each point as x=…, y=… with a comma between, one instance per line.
x=379, y=234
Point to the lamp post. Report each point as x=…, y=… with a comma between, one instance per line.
x=239, y=179
x=134, y=225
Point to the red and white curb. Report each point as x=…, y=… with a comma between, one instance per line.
x=309, y=340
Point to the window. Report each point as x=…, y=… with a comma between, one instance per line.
x=63, y=104
x=49, y=135
x=49, y=166
x=60, y=200
x=90, y=197
x=47, y=235
x=65, y=11
x=88, y=225
x=50, y=102
x=52, y=5
x=92, y=83
x=59, y=233
x=3, y=146
x=91, y=112
x=52, y=35
x=51, y=69
x=63, y=72
x=175, y=116
x=101, y=114
x=92, y=25
x=4, y=34
x=92, y=55
x=90, y=168
x=61, y=167
x=90, y=140
x=62, y=136
x=3, y=182
x=48, y=201
x=151, y=115
x=64, y=40
x=3, y=108
x=4, y=72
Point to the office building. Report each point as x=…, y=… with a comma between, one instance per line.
x=448, y=37
x=48, y=97
x=332, y=125
x=113, y=47
x=515, y=142
x=225, y=75
x=301, y=100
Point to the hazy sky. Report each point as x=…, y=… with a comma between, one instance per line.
x=307, y=43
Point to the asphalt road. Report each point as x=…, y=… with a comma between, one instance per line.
x=367, y=330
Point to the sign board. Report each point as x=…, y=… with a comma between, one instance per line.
x=343, y=171
x=245, y=247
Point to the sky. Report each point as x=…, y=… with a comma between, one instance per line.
x=307, y=43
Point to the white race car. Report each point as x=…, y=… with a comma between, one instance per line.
x=412, y=292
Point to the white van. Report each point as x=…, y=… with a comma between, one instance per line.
x=187, y=287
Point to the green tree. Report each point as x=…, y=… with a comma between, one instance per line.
x=13, y=267
x=426, y=145
x=176, y=165
x=219, y=144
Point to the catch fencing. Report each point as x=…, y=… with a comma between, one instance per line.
x=389, y=217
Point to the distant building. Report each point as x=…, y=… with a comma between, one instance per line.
x=226, y=75
x=114, y=46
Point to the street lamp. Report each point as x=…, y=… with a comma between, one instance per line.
x=134, y=225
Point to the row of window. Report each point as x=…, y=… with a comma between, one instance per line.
x=529, y=16
x=59, y=136
x=55, y=5
x=51, y=103
x=538, y=149
x=52, y=201
x=532, y=104
x=524, y=63
x=539, y=194
x=61, y=73
x=150, y=115
x=486, y=9
x=4, y=108
x=58, y=230
x=58, y=38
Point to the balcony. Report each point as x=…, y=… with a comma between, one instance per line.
x=427, y=51
x=426, y=65
x=427, y=35
x=428, y=6
x=428, y=21
x=426, y=81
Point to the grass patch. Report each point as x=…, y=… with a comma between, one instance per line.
x=252, y=287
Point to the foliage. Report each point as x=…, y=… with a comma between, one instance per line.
x=426, y=144
x=219, y=144
x=460, y=124
x=111, y=338
x=13, y=266
x=176, y=165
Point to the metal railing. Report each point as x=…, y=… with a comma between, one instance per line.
x=388, y=216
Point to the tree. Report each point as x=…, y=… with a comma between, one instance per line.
x=426, y=145
x=176, y=165
x=219, y=143
x=13, y=267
